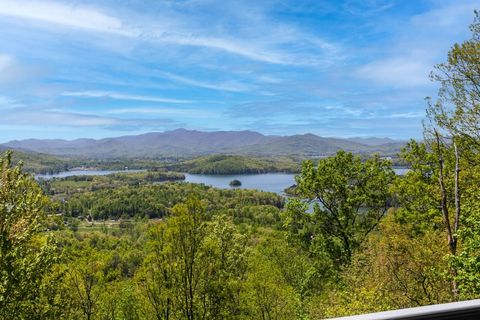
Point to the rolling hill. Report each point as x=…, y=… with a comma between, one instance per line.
x=190, y=143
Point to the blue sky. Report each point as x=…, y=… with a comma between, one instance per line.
x=72, y=69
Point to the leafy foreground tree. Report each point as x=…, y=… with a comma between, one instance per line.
x=350, y=198
x=457, y=109
x=396, y=268
x=427, y=250
x=467, y=262
x=26, y=255
x=194, y=269
x=452, y=142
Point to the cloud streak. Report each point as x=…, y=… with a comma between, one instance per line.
x=233, y=86
x=5, y=62
x=367, y=7
x=196, y=113
x=122, y=96
x=397, y=71
x=63, y=14
x=94, y=19
x=417, y=44
x=26, y=116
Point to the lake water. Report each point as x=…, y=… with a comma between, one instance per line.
x=271, y=182
x=401, y=171
x=64, y=174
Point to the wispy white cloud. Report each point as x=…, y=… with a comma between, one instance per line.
x=233, y=86
x=367, y=7
x=25, y=116
x=182, y=34
x=397, y=71
x=242, y=49
x=64, y=14
x=452, y=17
x=250, y=49
x=196, y=113
x=5, y=62
x=122, y=96
x=13, y=72
x=269, y=79
x=292, y=108
x=407, y=115
x=7, y=103
x=418, y=44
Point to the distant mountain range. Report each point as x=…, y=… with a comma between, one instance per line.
x=186, y=143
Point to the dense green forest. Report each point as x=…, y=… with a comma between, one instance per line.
x=47, y=164
x=215, y=164
x=355, y=239
x=43, y=163
x=234, y=164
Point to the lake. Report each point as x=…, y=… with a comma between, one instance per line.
x=64, y=174
x=270, y=182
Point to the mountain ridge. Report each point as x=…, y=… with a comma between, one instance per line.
x=185, y=143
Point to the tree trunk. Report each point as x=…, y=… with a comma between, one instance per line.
x=451, y=238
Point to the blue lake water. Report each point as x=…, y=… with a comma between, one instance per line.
x=401, y=171
x=64, y=174
x=271, y=182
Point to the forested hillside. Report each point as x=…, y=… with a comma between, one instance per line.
x=190, y=143
x=43, y=163
x=230, y=164
x=214, y=164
